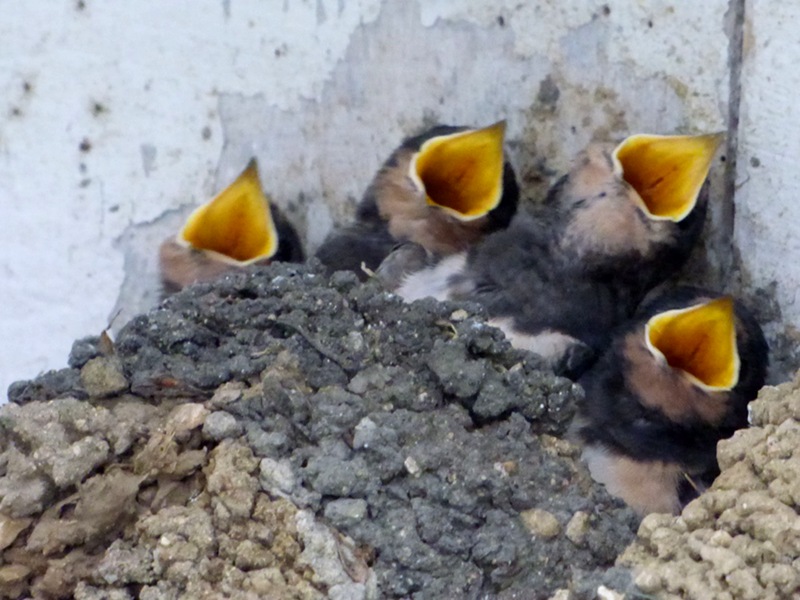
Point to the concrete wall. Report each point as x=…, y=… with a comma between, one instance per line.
x=767, y=182
x=116, y=119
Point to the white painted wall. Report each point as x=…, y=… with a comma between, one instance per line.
x=142, y=84
x=768, y=177
x=116, y=118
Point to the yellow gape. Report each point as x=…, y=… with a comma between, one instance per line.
x=237, y=225
x=699, y=340
x=667, y=171
x=462, y=173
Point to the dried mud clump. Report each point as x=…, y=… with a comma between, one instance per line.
x=160, y=513
x=280, y=434
x=741, y=539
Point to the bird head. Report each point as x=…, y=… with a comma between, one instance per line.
x=674, y=382
x=637, y=205
x=444, y=189
x=694, y=356
x=234, y=229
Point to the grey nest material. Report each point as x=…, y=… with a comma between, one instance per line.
x=284, y=434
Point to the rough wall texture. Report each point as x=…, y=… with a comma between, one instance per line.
x=116, y=120
x=767, y=212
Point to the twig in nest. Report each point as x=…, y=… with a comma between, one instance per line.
x=691, y=482
x=449, y=327
x=367, y=270
x=329, y=354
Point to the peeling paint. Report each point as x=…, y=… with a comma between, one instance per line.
x=138, y=245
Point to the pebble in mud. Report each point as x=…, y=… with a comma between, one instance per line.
x=221, y=425
x=102, y=376
x=414, y=436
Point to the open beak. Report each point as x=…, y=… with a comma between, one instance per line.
x=237, y=225
x=699, y=340
x=667, y=171
x=462, y=173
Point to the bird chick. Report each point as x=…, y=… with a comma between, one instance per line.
x=563, y=275
x=672, y=384
x=238, y=227
x=444, y=190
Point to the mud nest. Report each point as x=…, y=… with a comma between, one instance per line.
x=282, y=434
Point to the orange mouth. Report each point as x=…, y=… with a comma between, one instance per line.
x=462, y=173
x=236, y=225
x=667, y=171
x=699, y=340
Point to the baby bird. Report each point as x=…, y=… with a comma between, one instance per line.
x=672, y=384
x=561, y=277
x=237, y=228
x=444, y=190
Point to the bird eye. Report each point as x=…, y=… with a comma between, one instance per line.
x=602, y=195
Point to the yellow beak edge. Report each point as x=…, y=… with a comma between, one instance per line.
x=462, y=173
x=666, y=171
x=699, y=340
x=236, y=225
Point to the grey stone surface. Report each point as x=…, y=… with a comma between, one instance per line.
x=346, y=512
x=102, y=376
x=220, y=425
x=277, y=477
